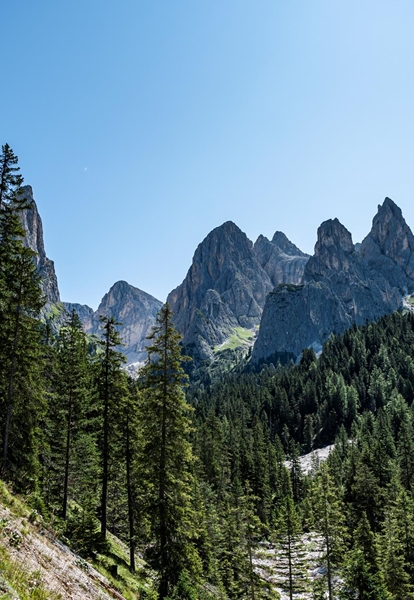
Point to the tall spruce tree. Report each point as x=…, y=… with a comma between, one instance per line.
x=291, y=548
x=330, y=522
x=20, y=304
x=110, y=385
x=73, y=393
x=165, y=456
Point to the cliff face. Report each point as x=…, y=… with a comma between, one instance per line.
x=32, y=224
x=282, y=260
x=225, y=287
x=389, y=247
x=134, y=309
x=340, y=287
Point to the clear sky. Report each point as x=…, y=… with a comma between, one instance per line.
x=144, y=124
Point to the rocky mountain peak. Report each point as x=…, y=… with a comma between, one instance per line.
x=222, y=246
x=334, y=250
x=389, y=246
x=332, y=233
x=390, y=206
x=124, y=301
x=285, y=245
x=134, y=309
x=340, y=287
x=387, y=222
x=32, y=224
x=120, y=289
x=225, y=287
x=281, y=259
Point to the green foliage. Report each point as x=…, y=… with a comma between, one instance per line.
x=21, y=394
x=165, y=459
x=330, y=522
x=241, y=337
x=72, y=461
x=185, y=590
x=111, y=384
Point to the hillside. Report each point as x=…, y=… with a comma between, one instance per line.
x=34, y=563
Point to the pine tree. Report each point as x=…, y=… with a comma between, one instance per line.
x=73, y=383
x=110, y=387
x=127, y=444
x=329, y=517
x=20, y=304
x=362, y=579
x=393, y=565
x=166, y=457
x=289, y=537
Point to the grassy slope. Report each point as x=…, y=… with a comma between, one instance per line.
x=240, y=337
x=35, y=565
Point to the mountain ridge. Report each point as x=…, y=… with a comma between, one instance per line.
x=225, y=288
x=297, y=300
x=133, y=308
x=341, y=286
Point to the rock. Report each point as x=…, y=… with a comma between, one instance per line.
x=339, y=288
x=85, y=313
x=224, y=287
x=286, y=246
x=282, y=260
x=334, y=252
x=134, y=309
x=32, y=224
x=389, y=247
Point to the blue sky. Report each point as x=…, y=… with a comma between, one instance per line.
x=142, y=125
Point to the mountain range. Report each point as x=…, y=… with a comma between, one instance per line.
x=269, y=293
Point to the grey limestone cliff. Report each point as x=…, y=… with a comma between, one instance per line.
x=85, y=313
x=225, y=287
x=340, y=287
x=227, y=284
x=389, y=247
x=134, y=309
x=32, y=224
x=282, y=260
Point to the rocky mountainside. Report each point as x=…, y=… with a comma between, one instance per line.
x=341, y=286
x=282, y=260
x=231, y=282
x=389, y=247
x=32, y=224
x=134, y=309
x=226, y=286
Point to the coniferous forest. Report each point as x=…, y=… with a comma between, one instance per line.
x=196, y=473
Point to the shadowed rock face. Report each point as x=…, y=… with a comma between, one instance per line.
x=389, y=247
x=340, y=287
x=32, y=224
x=224, y=287
x=134, y=309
